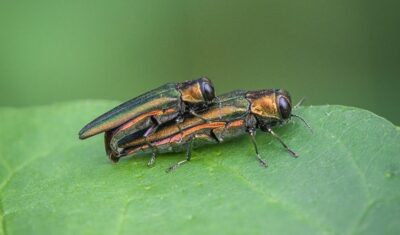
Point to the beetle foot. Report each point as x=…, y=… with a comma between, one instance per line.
x=175, y=166
x=152, y=160
x=262, y=162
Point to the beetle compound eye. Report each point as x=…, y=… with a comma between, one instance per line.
x=208, y=91
x=284, y=108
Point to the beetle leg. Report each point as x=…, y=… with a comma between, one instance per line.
x=111, y=154
x=253, y=140
x=188, y=157
x=218, y=134
x=178, y=120
x=107, y=139
x=283, y=143
x=150, y=131
x=198, y=116
x=152, y=160
x=153, y=128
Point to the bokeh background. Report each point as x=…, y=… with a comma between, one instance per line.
x=332, y=52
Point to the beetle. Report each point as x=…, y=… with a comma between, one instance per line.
x=236, y=114
x=148, y=111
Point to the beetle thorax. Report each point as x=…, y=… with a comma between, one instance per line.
x=192, y=93
x=265, y=107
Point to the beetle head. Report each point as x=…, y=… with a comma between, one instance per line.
x=271, y=107
x=197, y=91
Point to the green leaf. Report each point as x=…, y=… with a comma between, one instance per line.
x=346, y=180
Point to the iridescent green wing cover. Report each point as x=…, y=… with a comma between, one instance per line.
x=230, y=106
x=164, y=97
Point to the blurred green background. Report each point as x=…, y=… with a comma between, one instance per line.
x=332, y=52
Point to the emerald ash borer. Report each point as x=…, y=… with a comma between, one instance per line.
x=171, y=102
x=234, y=114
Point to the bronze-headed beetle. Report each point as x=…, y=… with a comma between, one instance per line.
x=145, y=113
x=237, y=113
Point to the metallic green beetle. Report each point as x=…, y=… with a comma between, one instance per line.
x=147, y=112
x=236, y=114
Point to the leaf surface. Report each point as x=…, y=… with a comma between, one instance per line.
x=346, y=180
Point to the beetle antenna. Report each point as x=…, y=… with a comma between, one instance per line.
x=299, y=103
x=304, y=121
x=219, y=101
